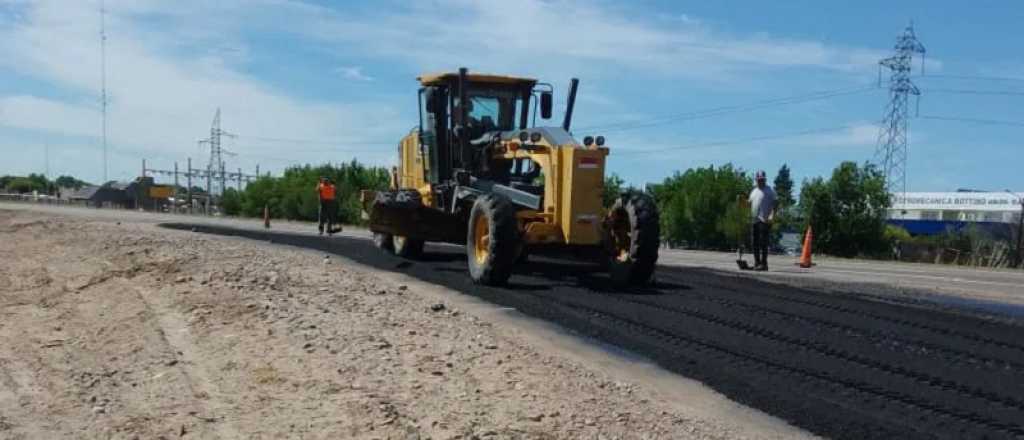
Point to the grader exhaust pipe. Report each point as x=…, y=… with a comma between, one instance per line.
x=573, y=84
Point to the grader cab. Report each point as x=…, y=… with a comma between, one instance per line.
x=478, y=171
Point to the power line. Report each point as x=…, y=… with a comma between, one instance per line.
x=310, y=141
x=975, y=77
x=972, y=120
x=742, y=141
x=974, y=92
x=717, y=111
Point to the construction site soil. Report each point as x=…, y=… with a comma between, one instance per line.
x=846, y=365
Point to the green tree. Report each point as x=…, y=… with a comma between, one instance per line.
x=293, y=195
x=783, y=186
x=700, y=208
x=785, y=214
x=69, y=182
x=21, y=185
x=231, y=202
x=612, y=189
x=847, y=212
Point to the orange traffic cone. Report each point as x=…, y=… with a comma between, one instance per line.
x=805, y=256
x=266, y=217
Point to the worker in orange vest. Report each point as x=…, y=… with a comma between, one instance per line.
x=328, y=205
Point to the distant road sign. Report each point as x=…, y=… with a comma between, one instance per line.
x=161, y=191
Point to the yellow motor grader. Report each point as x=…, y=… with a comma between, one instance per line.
x=478, y=171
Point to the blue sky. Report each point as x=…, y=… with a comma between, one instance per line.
x=338, y=78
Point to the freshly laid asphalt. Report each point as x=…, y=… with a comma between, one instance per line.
x=839, y=364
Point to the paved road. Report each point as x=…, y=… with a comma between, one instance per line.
x=844, y=365
x=953, y=284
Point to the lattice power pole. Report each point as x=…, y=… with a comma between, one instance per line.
x=893, y=135
x=215, y=167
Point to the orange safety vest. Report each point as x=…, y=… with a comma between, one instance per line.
x=326, y=191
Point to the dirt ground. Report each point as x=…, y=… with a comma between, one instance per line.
x=125, y=330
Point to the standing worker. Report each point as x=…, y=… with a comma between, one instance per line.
x=762, y=212
x=328, y=205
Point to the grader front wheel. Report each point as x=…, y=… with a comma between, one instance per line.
x=492, y=240
x=633, y=234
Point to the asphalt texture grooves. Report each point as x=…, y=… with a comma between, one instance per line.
x=842, y=365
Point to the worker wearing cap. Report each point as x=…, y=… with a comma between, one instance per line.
x=328, y=205
x=762, y=211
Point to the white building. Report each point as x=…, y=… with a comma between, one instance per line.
x=929, y=212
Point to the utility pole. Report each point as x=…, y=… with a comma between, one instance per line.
x=208, y=195
x=893, y=135
x=176, y=186
x=143, y=167
x=239, y=180
x=46, y=173
x=188, y=178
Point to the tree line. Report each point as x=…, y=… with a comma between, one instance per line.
x=39, y=182
x=707, y=208
x=701, y=208
x=293, y=195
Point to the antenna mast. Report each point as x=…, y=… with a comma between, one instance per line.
x=103, y=80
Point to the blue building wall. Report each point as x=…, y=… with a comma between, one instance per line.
x=936, y=227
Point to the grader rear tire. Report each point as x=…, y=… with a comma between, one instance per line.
x=492, y=240
x=407, y=247
x=384, y=242
x=634, y=238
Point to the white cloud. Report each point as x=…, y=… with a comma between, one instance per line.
x=170, y=65
x=43, y=114
x=159, y=101
x=354, y=73
x=860, y=134
x=560, y=36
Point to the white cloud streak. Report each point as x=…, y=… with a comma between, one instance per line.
x=170, y=65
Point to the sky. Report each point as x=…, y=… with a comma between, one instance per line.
x=671, y=84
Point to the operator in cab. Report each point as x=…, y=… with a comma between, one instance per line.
x=328, y=205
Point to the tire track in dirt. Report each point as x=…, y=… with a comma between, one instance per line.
x=174, y=332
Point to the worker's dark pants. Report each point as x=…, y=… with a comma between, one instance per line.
x=328, y=213
x=759, y=238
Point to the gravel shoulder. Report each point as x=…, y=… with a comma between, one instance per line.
x=125, y=330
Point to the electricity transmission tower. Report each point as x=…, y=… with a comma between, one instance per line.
x=216, y=165
x=893, y=135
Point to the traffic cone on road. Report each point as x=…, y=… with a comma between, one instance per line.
x=805, y=256
x=266, y=216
